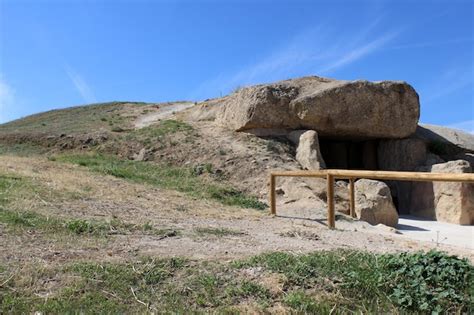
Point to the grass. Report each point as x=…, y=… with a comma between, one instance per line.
x=156, y=135
x=219, y=232
x=22, y=149
x=13, y=188
x=80, y=119
x=311, y=283
x=19, y=220
x=164, y=176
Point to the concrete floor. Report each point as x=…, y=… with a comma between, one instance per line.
x=437, y=232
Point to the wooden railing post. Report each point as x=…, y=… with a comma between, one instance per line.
x=272, y=195
x=330, y=201
x=352, y=198
x=352, y=175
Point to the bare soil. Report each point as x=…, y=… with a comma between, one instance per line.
x=78, y=193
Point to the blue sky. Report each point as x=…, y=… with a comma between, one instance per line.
x=61, y=53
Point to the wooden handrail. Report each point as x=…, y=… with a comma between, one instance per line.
x=332, y=174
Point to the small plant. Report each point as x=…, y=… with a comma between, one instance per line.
x=428, y=282
x=147, y=227
x=80, y=227
x=220, y=232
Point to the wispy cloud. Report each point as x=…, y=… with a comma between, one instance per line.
x=81, y=85
x=467, y=126
x=318, y=50
x=360, y=52
x=448, y=82
x=6, y=99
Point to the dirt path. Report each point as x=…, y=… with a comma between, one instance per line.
x=82, y=194
x=164, y=111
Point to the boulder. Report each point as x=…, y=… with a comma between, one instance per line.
x=373, y=203
x=444, y=141
x=401, y=155
x=445, y=201
x=307, y=149
x=340, y=109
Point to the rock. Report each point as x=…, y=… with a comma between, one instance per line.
x=307, y=149
x=445, y=201
x=445, y=141
x=341, y=109
x=401, y=155
x=204, y=111
x=469, y=157
x=313, y=191
x=140, y=156
x=374, y=203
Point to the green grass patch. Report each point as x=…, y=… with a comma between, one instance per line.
x=412, y=282
x=303, y=303
x=13, y=189
x=22, y=149
x=31, y=220
x=157, y=135
x=177, y=285
x=164, y=176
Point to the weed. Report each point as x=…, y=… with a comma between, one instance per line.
x=220, y=232
x=79, y=227
x=147, y=227
x=431, y=282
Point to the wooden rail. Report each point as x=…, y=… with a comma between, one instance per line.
x=332, y=174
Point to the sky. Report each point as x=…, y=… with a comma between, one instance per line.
x=56, y=54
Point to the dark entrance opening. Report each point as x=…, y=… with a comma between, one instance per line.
x=351, y=155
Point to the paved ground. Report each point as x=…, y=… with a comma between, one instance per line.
x=437, y=232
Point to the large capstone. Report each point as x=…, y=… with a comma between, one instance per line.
x=339, y=109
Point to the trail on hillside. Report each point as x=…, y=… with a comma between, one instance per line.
x=164, y=111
